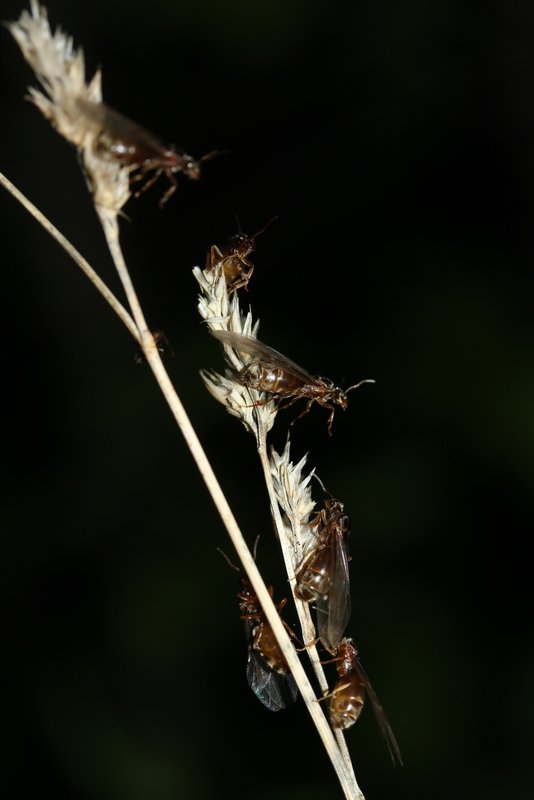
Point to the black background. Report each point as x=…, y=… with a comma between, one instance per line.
x=395, y=143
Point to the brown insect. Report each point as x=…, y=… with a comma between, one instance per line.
x=233, y=258
x=270, y=371
x=323, y=576
x=268, y=674
x=348, y=696
x=130, y=144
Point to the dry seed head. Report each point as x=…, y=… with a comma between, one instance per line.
x=293, y=492
x=251, y=407
x=60, y=70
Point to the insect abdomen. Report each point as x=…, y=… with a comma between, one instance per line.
x=312, y=579
x=265, y=643
x=275, y=380
x=346, y=703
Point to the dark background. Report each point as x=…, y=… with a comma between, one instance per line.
x=395, y=141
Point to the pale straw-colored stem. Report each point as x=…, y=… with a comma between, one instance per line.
x=99, y=284
x=110, y=224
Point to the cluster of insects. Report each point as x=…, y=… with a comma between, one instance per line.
x=322, y=579
x=269, y=677
x=323, y=576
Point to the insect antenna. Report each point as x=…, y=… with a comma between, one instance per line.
x=227, y=559
x=258, y=233
x=212, y=154
x=321, y=484
x=231, y=563
x=360, y=383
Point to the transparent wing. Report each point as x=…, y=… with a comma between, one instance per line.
x=382, y=720
x=118, y=126
x=263, y=354
x=275, y=689
x=333, y=611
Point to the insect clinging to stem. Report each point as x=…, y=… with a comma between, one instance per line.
x=323, y=576
x=268, y=674
x=347, y=698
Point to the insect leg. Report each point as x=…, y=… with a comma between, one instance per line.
x=306, y=409
x=242, y=282
x=331, y=417
x=148, y=183
x=172, y=188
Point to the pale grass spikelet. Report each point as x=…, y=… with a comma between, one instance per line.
x=253, y=408
x=293, y=493
x=72, y=106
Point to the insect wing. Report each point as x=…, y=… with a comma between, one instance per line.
x=120, y=127
x=101, y=115
x=333, y=611
x=381, y=719
x=275, y=690
x=262, y=354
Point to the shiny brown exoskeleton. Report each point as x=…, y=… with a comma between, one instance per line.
x=270, y=371
x=348, y=696
x=268, y=674
x=130, y=144
x=323, y=576
x=233, y=258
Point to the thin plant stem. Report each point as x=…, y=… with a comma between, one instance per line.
x=84, y=265
x=109, y=221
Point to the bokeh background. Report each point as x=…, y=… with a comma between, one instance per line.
x=395, y=142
